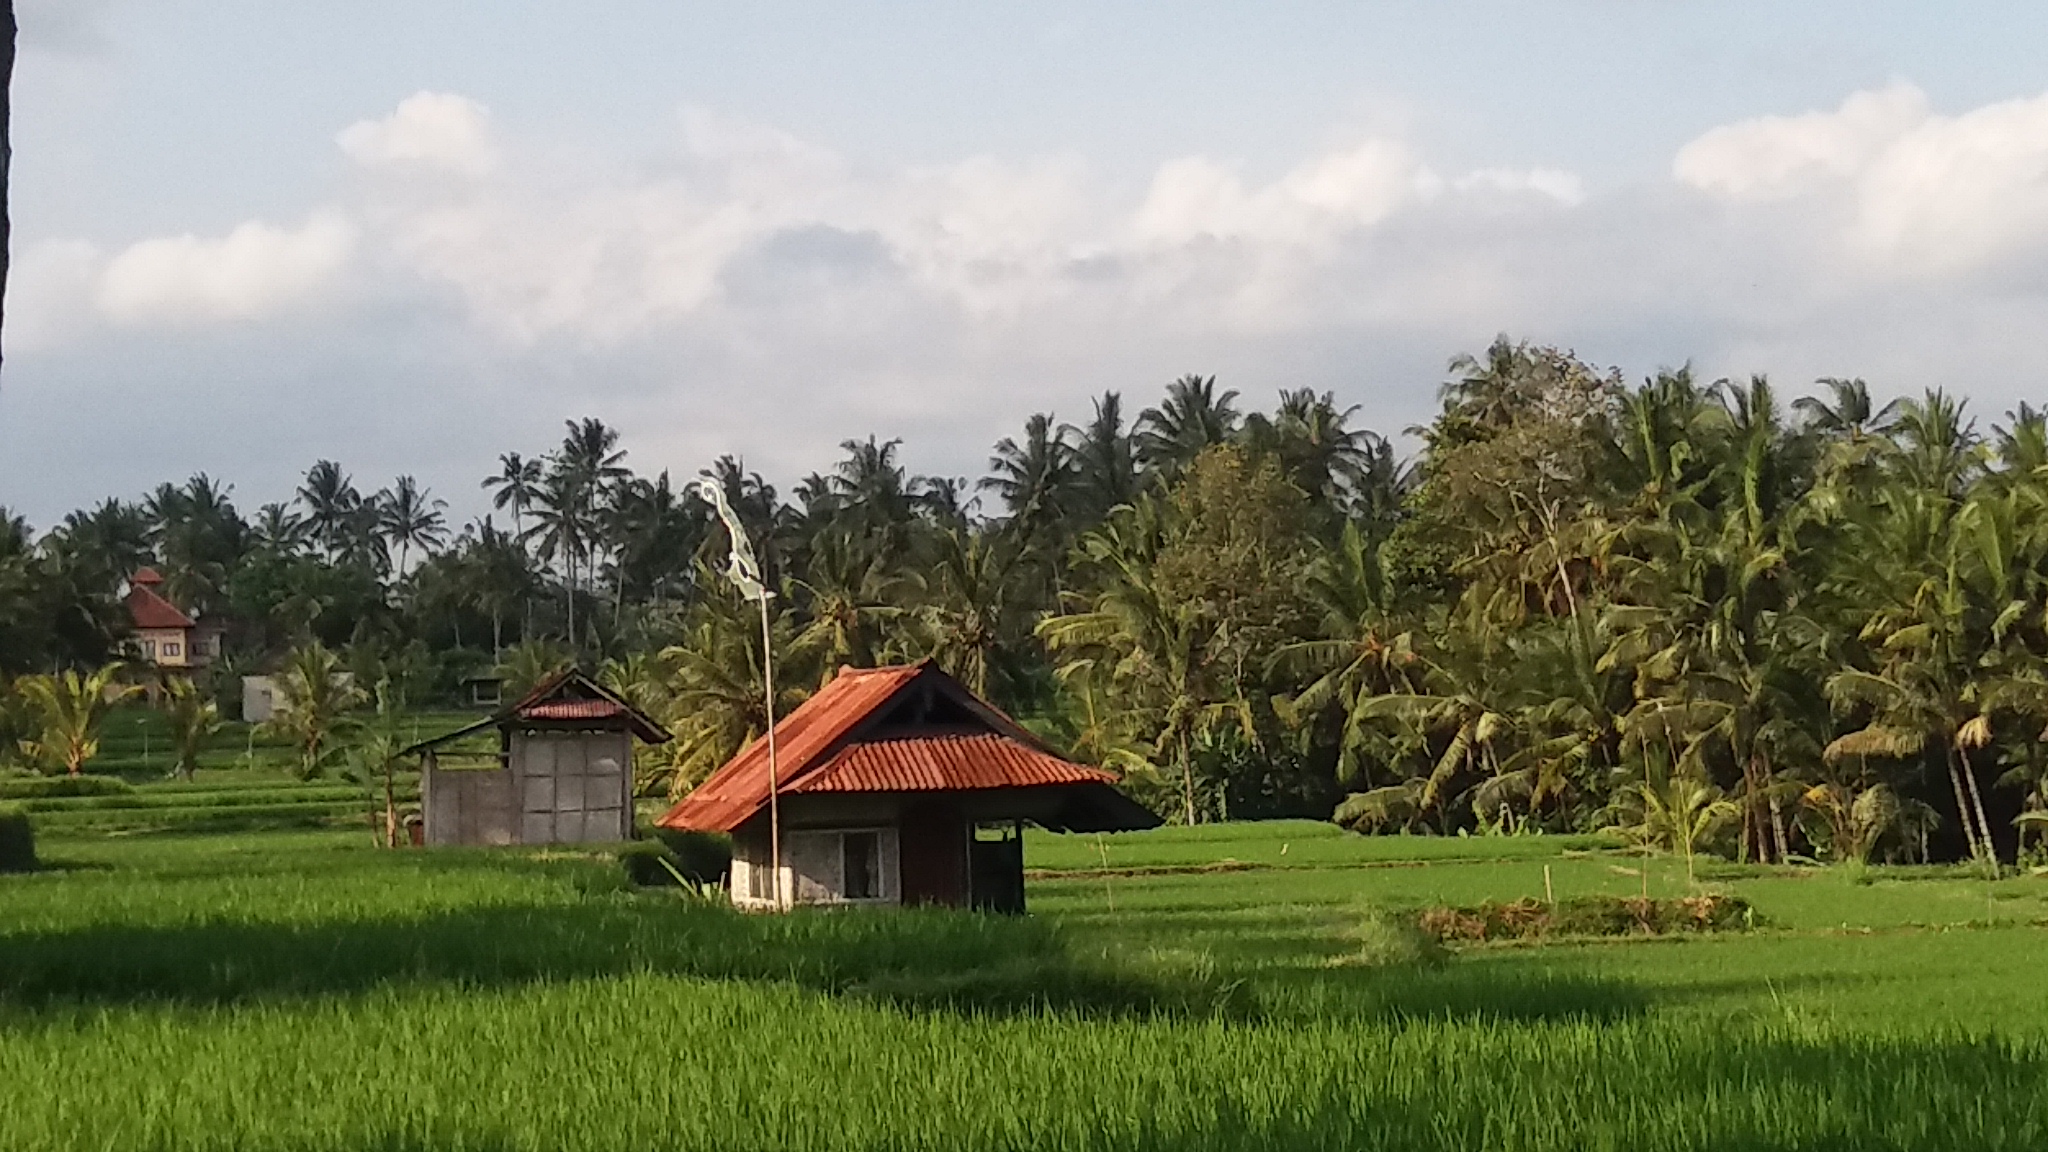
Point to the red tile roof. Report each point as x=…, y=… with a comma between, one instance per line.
x=150, y=610
x=943, y=763
x=820, y=748
x=146, y=576
x=571, y=710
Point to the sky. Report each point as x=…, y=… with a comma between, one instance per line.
x=410, y=235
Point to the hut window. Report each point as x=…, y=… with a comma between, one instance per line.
x=861, y=861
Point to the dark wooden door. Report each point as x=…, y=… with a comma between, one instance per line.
x=932, y=859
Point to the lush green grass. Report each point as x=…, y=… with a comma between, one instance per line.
x=135, y=742
x=304, y=991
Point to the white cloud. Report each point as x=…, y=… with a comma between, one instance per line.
x=1777, y=156
x=1902, y=185
x=1564, y=187
x=747, y=290
x=429, y=131
x=1343, y=191
x=254, y=271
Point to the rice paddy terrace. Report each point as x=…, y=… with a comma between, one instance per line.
x=231, y=964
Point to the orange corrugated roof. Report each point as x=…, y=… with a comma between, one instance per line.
x=150, y=610
x=827, y=746
x=736, y=791
x=943, y=763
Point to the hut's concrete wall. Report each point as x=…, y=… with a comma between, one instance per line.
x=467, y=805
x=556, y=788
x=813, y=864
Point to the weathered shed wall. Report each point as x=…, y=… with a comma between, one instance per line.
x=574, y=787
x=564, y=787
x=467, y=805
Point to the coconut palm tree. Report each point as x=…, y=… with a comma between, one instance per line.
x=411, y=517
x=718, y=705
x=193, y=717
x=1318, y=454
x=517, y=485
x=68, y=707
x=1147, y=648
x=1848, y=413
x=1192, y=417
x=280, y=530
x=1104, y=462
x=1364, y=651
x=1034, y=479
x=853, y=593
x=331, y=502
x=315, y=695
x=969, y=615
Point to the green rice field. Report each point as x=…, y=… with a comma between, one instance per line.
x=1233, y=986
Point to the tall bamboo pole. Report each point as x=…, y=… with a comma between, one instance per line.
x=774, y=767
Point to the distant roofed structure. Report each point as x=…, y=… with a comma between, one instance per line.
x=165, y=636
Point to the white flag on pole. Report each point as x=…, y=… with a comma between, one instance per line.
x=740, y=567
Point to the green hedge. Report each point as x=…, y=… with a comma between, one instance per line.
x=17, y=840
x=219, y=798
x=206, y=818
x=51, y=787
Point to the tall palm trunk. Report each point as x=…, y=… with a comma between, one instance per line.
x=1955, y=779
x=1187, y=777
x=390, y=808
x=1783, y=848
x=1977, y=803
x=571, y=582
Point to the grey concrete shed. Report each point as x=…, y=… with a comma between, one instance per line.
x=562, y=772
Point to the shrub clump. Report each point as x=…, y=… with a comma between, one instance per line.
x=17, y=840
x=1586, y=916
x=54, y=787
x=647, y=863
x=702, y=857
x=1392, y=941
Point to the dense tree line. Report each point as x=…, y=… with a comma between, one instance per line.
x=1681, y=609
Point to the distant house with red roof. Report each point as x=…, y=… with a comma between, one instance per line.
x=898, y=786
x=164, y=635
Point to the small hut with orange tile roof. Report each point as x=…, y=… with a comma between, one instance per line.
x=898, y=786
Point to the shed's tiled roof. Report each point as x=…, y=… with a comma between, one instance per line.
x=572, y=710
x=568, y=695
